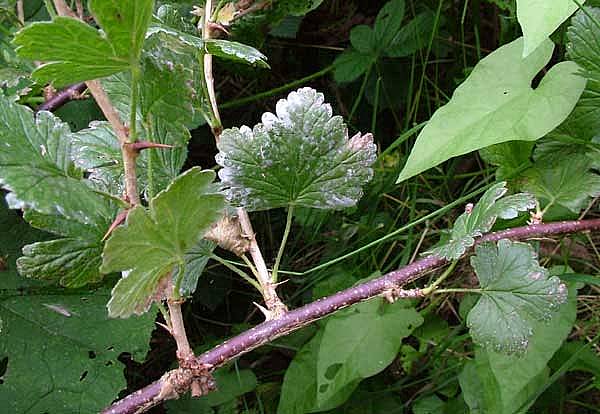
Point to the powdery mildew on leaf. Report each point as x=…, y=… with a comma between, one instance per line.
x=515, y=292
x=477, y=220
x=301, y=155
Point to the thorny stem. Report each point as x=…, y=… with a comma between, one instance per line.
x=295, y=319
x=209, y=81
x=286, y=233
x=184, y=350
x=275, y=307
x=62, y=97
x=111, y=114
x=274, y=304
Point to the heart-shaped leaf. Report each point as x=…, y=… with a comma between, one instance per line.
x=496, y=104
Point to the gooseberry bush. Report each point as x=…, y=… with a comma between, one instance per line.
x=111, y=231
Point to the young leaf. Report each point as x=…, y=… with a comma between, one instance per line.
x=155, y=241
x=239, y=52
x=388, y=22
x=302, y=156
x=360, y=342
x=565, y=181
x=510, y=157
x=515, y=292
x=540, y=18
x=496, y=104
x=75, y=51
x=481, y=218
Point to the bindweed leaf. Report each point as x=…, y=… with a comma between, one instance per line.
x=154, y=241
x=480, y=218
x=74, y=51
x=358, y=343
x=515, y=293
x=496, y=104
x=299, y=156
x=540, y=18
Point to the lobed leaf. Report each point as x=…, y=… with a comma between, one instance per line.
x=565, y=181
x=498, y=383
x=154, y=241
x=515, y=292
x=496, y=104
x=583, y=48
x=36, y=167
x=481, y=218
x=74, y=51
x=301, y=156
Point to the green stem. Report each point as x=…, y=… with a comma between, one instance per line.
x=177, y=287
x=278, y=90
x=433, y=287
x=238, y=271
x=360, y=93
x=459, y=290
x=135, y=77
x=286, y=233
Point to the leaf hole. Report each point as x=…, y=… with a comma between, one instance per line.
x=323, y=388
x=91, y=354
x=332, y=370
x=83, y=375
x=108, y=363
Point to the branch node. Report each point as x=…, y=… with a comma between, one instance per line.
x=395, y=293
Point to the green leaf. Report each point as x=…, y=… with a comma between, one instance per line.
x=432, y=404
x=350, y=65
x=75, y=51
x=582, y=48
x=568, y=182
x=496, y=104
x=61, y=348
x=299, y=389
x=360, y=342
x=62, y=352
x=362, y=39
x=499, y=383
x=154, y=242
x=413, y=36
x=388, y=22
x=302, y=156
x=196, y=259
x=540, y=18
x=510, y=157
x=35, y=166
x=515, y=292
x=480, y=219
x=239, y=52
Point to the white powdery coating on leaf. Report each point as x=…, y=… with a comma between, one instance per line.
x=298, y=155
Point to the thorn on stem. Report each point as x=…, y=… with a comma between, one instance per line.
x=120, y=219
x=142, y=145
